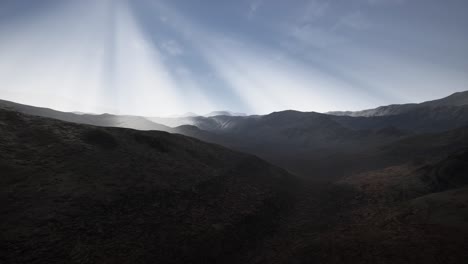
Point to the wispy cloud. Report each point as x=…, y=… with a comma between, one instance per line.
x=379, y=2
x=254, y=5
x=264, y=80
x=355, y=20
x=172, y=47
x=310, y=36
x=314, y=10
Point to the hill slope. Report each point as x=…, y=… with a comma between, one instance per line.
x=406, y=213
x=74, y=193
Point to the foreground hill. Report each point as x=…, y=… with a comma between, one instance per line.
x=74, y=193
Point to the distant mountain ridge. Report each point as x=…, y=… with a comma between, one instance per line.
x=297, y=141
x=107, y=120
x=223, y=113
x=456, y=99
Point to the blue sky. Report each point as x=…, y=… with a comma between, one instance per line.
x=151, y=57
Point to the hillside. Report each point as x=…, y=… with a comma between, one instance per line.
x=73, y=193
x=406, y=213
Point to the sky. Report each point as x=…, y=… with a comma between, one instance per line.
x=161, y=58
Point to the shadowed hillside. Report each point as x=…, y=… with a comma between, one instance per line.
x=406, y=213
x=74, y=193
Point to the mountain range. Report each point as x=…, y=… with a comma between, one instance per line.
x=297, y=141
x=456, y=99
x=387, y=185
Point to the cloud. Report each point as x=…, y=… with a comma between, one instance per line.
x=254, y=5
x=380, y=2
x=254, y=73
x=313, y=10
x=172, y=47
x=322, y=26
x=313, y=36
x=355, y=21
x=163, y=19
x=101, y=57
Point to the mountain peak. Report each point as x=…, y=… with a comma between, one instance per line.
x=455, y=99
x=223, y=113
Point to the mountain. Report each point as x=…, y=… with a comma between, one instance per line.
x=108, y=120
x=456, y=99
x=289, y=139
x=301, y=142
x=418, y=120
x=434, y=116
x=223, y=113
x=307, y=143
x=195, y=119
x=188, y=114
x=74, y=193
